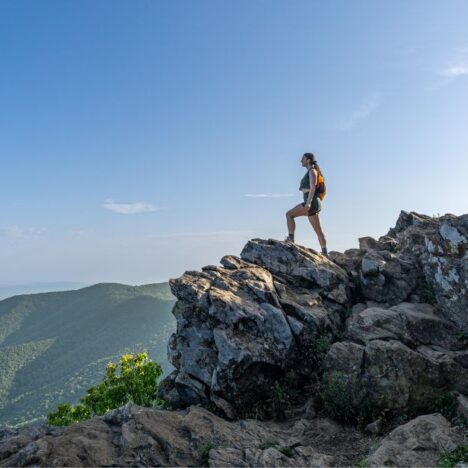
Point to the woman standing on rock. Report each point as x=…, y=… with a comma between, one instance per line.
x=314, y=189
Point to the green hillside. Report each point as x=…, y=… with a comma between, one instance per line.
x=53, y=346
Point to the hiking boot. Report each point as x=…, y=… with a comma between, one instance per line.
x=289, y=238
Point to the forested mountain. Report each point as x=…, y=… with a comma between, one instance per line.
x=53, y=346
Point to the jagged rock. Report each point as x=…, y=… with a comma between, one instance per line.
x=138, y=436
x=420, y=442
x=374, y=427
x=439, y=247
x=389, y=374
x=298, y=264
x=462, y=406
x=422, y=258
x=245, y=325
x=412, y=324
x=300, y=456
x=389, y=318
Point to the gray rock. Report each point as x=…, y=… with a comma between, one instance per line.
x=420, y=442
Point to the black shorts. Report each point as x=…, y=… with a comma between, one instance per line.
x=315, y=206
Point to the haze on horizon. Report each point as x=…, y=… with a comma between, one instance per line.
x=140, y=139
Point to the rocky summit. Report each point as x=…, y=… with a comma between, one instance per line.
x=284, y=357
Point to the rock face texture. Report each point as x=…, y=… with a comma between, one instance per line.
x=379, y=330
x=137, y=436
x=394, y=309
x=417, y=443
x=243, y=326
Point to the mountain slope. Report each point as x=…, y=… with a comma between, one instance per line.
x=53, y=346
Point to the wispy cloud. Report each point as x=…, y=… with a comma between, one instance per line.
x=16, y=232
x=369, y=104
x=455, y=70
x=175, y=235
x=268, y=195
x=128, y=208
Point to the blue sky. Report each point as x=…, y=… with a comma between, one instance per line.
x=140, y=139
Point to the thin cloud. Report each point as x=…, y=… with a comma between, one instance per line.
x=455, y=70
x=268, y=195
x=370, y=103
x=128, y=208
x=16, y=232
x=199, y=234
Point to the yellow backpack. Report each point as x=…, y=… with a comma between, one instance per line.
x=320, y=189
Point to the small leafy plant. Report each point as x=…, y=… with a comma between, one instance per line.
x=205, y=452
x=136, y=381
x=288, y=451
x=451, y=459
x=427, y=292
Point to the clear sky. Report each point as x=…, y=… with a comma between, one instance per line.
x=140, y=139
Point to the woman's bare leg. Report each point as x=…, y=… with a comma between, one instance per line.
x=298, y=210
x=315, y=222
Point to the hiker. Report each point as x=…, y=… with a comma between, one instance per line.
x=313, y=187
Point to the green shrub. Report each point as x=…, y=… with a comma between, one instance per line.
x=451, y=459
x=318, y=349
x=288, y=451
x=427, y=292
x=364, y=463
x=205, y=452
x=446, y=404
x=268, y=444
x=337, y=392
x=284, y=396
x=136, y=382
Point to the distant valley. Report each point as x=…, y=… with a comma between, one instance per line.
x=55, y=345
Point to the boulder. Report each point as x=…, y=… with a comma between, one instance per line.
x=245, y=325
x=420, y=442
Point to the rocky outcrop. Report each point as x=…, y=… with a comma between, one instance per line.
x=423, y=258
x=394, y=309
x=137, y=436
x=245, y=325
x=365, y=336
x=420, y=442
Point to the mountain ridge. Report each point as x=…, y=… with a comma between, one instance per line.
x=86, y=326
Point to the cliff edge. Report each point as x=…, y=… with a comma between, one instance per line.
x=283, y=356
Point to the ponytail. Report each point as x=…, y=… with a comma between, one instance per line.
x=313, y=160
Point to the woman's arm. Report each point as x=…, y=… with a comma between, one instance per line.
x=312, y=183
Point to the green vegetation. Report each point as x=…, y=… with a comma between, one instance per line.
x=451, y=459
x=318, y=349
x=284, y=397
x=288, y=451
x=444, y=403
x=268, y=444
x=364, y=463
x=54, y=346
x=338, y=392
x=426, y=291
x=205, y=452
x=137, y=382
